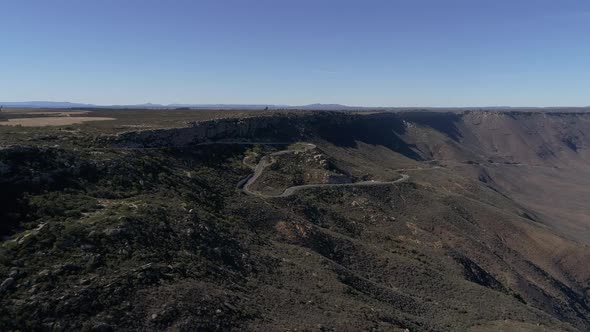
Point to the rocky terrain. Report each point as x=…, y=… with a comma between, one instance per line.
x=147, y=229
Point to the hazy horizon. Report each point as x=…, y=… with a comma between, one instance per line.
x=32, y=103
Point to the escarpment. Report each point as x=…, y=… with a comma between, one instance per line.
x=151, y=230
x=277, y=128
x=535, y=157
x=477, y=136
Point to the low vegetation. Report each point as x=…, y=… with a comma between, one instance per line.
x=103, y=236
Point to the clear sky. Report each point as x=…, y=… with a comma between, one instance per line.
x=364, y=52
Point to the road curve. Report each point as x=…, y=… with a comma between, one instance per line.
x=292, y=190
x=266, y=162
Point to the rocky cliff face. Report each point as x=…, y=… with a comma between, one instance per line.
x=518, y=137
x=275, y=128
x=540, y=159
x=479, y=136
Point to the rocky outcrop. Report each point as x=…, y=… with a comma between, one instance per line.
x=261, y=128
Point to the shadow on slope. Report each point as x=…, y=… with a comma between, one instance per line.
x=383, y=129
x=442, y=122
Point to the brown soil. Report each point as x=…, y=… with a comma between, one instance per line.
x=52, y=121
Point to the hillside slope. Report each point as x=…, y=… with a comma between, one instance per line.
x=147, y=230
x=539, y=159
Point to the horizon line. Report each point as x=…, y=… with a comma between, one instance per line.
x=31, y=104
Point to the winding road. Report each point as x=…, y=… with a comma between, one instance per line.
x=266, y=161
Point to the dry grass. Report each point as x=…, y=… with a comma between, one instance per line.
x=44, y=112
x=52, y=121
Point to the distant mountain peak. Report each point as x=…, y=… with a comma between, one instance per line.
x=65, y=104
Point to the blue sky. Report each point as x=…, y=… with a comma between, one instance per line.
x=372, y=53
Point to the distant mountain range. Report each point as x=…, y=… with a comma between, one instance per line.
x=53, y=104
x=319, y=107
